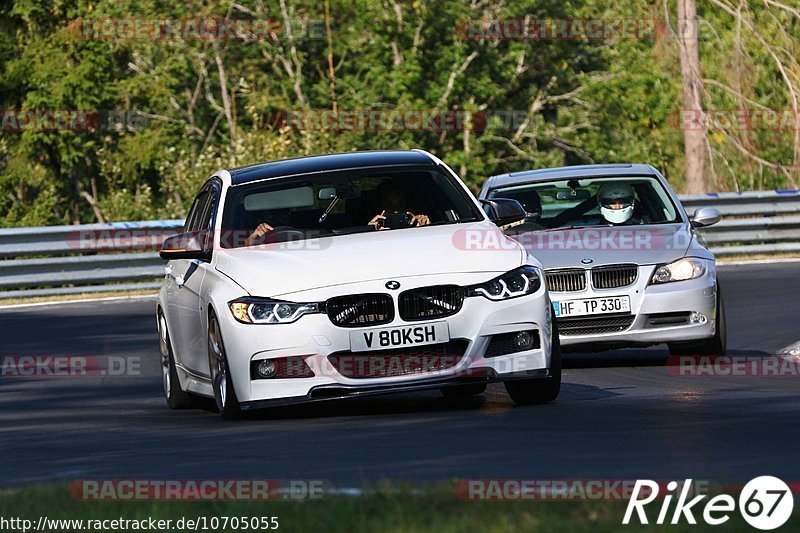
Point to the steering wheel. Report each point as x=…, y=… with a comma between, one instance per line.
x=281, y=234
x=287, y=231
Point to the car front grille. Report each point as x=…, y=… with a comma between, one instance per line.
x=430, y=302
x=614, y=276
x=570, y=280
x=357, y=310
x=594, y=325
x=399, y=361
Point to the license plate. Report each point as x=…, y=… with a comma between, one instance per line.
x=593, y=306
x=399, y=337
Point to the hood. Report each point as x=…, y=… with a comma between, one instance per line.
x=643, y=245
x=280, y=269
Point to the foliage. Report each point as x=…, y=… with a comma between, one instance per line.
x=167, y=112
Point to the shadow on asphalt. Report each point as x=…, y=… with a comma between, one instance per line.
x=494, y=399
x=635, y=357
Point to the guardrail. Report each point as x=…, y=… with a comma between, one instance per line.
x=758, y=222
x=94, y=258
x=87, y=258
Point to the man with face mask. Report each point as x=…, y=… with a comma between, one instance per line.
x=617, y=201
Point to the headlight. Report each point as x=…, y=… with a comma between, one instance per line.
x=680, y=270
x=518, y=282
x=265, y=311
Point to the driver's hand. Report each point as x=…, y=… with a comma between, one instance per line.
x=259, y=232
x=378, y=220
x=419, y=220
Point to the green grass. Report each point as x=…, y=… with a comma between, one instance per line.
x=395, y=510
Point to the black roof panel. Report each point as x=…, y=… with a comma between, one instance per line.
x=328, y=162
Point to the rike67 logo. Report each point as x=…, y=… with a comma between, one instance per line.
x=765, y=503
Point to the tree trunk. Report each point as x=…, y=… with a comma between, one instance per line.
x=692, y=90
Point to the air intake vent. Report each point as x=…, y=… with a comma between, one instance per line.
x=668, y=319
x=594, y=325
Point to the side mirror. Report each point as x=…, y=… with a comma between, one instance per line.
x=504, y=211
x=705, y=216
x=191, y=245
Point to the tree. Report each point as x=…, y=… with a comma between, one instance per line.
x=691, y=91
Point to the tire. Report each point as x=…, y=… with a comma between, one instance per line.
x=460, y=391
x=221, y=382
x=537, y=390
x=176, y=397
x=716, y=345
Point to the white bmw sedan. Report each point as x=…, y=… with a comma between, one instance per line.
x=347, y=275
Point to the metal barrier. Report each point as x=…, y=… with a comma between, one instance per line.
x=759, y=222
x=94, y=258
x=88, y=258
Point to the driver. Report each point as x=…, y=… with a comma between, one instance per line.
x=616, y=202
x=395, y=201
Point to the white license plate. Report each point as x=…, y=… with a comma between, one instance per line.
x=593, y=306
x=399, y=337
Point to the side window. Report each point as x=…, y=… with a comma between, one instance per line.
x=194, y=212
x=204, y=218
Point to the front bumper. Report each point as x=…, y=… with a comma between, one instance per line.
x=314, y=337
x=323, y=393
x=650, y=305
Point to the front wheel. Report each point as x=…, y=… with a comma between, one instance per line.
x=224, y=393
x=539, y=390
x=176, y=397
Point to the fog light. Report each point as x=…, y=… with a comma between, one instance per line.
x=266, y=368
x=523, y=340
x=697, y=318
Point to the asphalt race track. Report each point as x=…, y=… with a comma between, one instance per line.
x=621, y=415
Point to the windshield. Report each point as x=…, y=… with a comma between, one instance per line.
x=591, y=202
x=343, y=202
